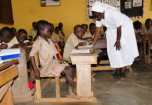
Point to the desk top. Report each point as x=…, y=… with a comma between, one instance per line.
x=7, y=64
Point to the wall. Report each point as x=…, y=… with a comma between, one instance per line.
x=70, y=13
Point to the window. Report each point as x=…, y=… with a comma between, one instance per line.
x=6, y=16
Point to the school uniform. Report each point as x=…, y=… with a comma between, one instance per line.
x=87, y=34
x=55, y=37
x=47, y=54
x=61, y=36
x=33, y=32
x=144, y=30
x=70, y=45
x=12, y=42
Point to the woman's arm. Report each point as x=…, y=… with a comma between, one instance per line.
x=96, y=36
x=117, y=43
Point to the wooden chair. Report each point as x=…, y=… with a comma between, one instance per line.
x=147, y=40
x=38, y=95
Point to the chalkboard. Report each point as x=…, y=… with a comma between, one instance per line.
x=132, y=8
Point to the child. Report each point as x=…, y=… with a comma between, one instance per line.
x=85, y=27
x=21, y=37
x=6, y=35
x=148, y=28
x=60, y=25
x=33, y=32
x=59, y=33
x=47, y=53
x=14, y=40
x=74, y=41
x=90, y=35
x=55, y=37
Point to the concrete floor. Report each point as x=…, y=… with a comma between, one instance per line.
x=135, y=90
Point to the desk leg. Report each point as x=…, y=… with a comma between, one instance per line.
x=84, y=81
x=7, y=100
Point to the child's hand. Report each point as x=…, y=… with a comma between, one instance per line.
x=37, y=74
x=82, y=44
x=60, y=61
x=3, y=46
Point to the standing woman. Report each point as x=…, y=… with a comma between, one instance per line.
x=121, y=41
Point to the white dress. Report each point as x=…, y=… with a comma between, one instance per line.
x=125, y=56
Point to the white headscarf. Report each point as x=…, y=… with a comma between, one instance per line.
x=101, y=7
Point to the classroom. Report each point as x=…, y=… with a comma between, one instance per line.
x=75, y=52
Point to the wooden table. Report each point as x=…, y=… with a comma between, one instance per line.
x=20, y=88
x=102, y=44
x=8, y=71
x=83, y=75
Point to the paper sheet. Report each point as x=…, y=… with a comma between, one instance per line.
x=80, y=51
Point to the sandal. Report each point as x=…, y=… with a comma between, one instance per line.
x=115, y=75
x=123, y=76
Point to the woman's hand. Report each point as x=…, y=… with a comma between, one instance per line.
x=117, y=44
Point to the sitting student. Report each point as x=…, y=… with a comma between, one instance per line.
x=103, y=33
x=21, y=37
x=61, y=35
x=6, y=35
x=60, y=25
x=148, y=28
x=33, y=32
x=90, y=35
x=14, y=40
x=55, y=37
x=74, y=41
x=137, y=27
x=47, y=53
x=85, y=27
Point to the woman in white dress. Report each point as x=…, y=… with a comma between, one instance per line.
x=121, y=41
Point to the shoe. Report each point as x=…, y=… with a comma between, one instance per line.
x=123, y=76
x=115, y=75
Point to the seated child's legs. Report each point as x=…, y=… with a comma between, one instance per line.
x=99, y=57
x=69, y=75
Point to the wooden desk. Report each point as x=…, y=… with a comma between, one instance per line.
x=21, y=92
x=102, y=44
x=83, y=73
x=8, y=71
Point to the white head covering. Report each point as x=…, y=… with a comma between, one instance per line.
x=101, y=7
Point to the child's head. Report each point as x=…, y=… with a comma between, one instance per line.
x=60, y=25
x=43, y=28
x=148, y=22
x=6, y=34
x=34, y=25
x=137, y=25
x=21, y=35
x=92, y=28
x=85, y=27
x=57, y=30
x=14, y=30
x=78, y=31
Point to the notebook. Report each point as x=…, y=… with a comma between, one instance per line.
x=10, y=53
